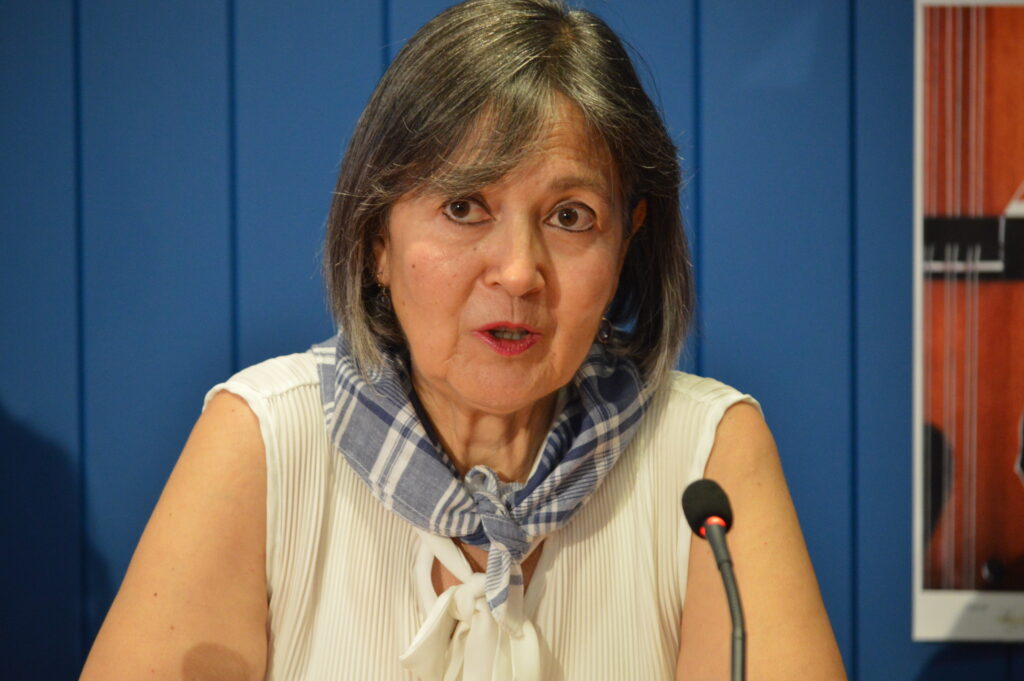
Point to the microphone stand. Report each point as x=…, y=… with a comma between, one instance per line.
x=715, y=534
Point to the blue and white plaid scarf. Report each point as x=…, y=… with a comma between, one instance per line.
x=377, y=428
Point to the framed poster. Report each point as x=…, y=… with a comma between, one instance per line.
x=969, y=321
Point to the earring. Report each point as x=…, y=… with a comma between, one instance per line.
x=383, y=294
x=604, y=331
x=384, y=298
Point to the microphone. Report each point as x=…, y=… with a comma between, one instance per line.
x=708, y=512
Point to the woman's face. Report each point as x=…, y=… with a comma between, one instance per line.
x=500, y=294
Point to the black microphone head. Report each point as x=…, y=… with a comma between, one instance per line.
x=704, y=499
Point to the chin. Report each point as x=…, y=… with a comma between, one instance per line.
x=506, y=394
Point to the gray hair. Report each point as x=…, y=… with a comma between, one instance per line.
x=505, y=62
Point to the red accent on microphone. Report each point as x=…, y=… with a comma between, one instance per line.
x=712, y=520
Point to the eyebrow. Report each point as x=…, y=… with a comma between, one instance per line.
x=580, y=182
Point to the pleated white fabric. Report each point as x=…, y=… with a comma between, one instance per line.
x=349, y=584
x=460, y=639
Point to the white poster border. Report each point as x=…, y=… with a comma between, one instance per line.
x=942, y=614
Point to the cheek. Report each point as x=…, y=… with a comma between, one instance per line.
x=589, y=288
x=428, y=292
x=585, y=296
x=428, y=274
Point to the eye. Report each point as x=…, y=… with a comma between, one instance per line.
x=572, y=217
x=465, y=211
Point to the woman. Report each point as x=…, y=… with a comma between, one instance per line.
x=479, y=476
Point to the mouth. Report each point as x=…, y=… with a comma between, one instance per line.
x=508, y=339
x=505, y=333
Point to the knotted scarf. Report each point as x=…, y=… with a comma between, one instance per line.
x=376, y=424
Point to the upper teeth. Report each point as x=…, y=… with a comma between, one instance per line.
x=509, y=334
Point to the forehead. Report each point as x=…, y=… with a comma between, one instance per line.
x=571, y=153
x=561, y=144
x=566, y=129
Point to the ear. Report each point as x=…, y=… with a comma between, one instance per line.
x=638, y=216
x=381, y=253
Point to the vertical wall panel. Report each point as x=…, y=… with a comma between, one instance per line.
x=775, y=256
x=304, y=73
x=155, y=255
x=39, y=449
x=884, y=181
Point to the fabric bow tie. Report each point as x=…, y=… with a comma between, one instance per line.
x=461, y=641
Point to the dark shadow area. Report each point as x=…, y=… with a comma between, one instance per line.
x=938, y=458
x=41, y=616
x=967, y=661
x=214, y=662
x=963, y=662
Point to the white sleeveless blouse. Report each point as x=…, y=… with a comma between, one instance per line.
x=349, y=584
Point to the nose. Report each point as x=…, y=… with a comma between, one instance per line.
x=519, y=258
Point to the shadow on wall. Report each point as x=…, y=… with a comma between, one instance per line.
x=42, y=569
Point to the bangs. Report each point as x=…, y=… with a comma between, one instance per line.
x=509, y=128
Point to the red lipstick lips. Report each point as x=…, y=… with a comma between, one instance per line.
x=508, y=339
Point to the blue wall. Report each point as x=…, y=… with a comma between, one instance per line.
x=167, y=171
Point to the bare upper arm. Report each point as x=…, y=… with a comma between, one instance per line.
x=788, y=632
x=193, y=603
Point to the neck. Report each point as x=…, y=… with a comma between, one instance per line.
x=506, y=443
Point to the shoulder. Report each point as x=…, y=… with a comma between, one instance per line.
x=685, y=412
x=283, y=393
x=725, y=427
x=674, y=442
x=273, y=377
x=284, y=396
x=744, y=447
x=681, y=390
